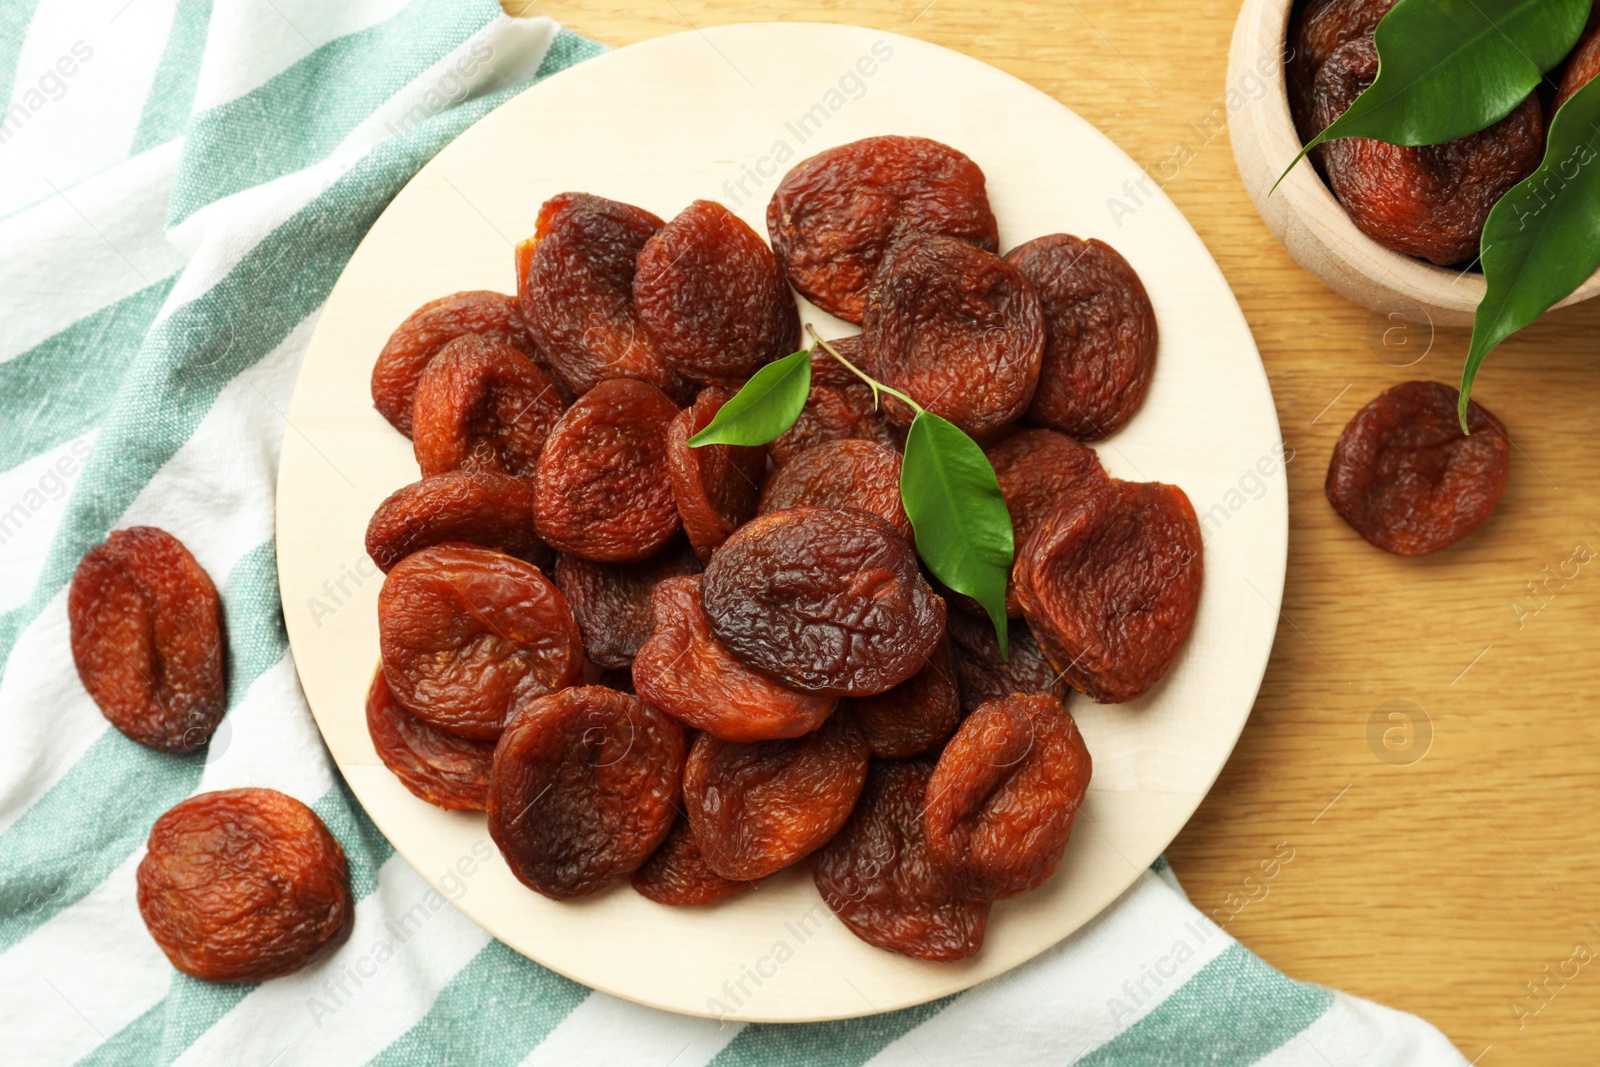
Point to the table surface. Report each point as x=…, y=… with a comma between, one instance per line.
x=1454, y=885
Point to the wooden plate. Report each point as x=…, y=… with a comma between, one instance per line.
x=722, y=114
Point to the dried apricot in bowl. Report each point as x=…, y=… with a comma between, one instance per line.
x=611, y=601
x=676, y=873
x=244, y=885
x=1110, y=585
x=477, y=507
x=585, y=787
x=447, y=771
x=483, y=406
x=841, y=474
x=1322, y=27
x=717, y=487
x=148, y=639
x=1406, y=478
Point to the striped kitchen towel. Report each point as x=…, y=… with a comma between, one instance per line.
x=181, y=181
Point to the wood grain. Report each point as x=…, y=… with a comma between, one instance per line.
x=1441, y=887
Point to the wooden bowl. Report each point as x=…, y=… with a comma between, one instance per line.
x=1303, y=214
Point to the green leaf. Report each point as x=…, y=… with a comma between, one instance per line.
x=767, y=405
x=963, y=531
x=1542, y=239
x=1449, y=68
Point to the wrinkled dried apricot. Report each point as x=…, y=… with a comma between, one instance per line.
x=476, y=507
x=957, y=329
x=716, y=486
x=982, y=675
x=1321, y=28
x=915, y=715
x=611, y=601
x=243, y=885
x=823, y=600
x=835, y=214
x=1405, y=477
x=482, y=406
x=1038, y=470
x=603, y=488
x=1003, y=797
x=447, y=771
x=467, y=633
x=757, y=808
x=1430, y=202
x=1582, y=65
x=1100, y=335
x=711, y=298
x=1110, y=585
x=676, y=873
x=839, y=407
x=148, y=639
x=585, y=787
x=427, y=330
x=879, y=878
x=842, y=474
x=684, y=670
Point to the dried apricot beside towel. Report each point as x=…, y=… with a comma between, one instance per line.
x=676, y=873
x=477, y=507
x=716, y=486
x=483, y=406
x=447, y=771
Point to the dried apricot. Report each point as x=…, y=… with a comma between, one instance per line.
x=842, y=474
x=467, y=633
x=957, y=329
x=915, y=715
x=823, y=600
x=716, y=486
x=711, y=299
x=604, y=490
x=611, y=601
x=1582, y=65
x=834, y=214
x=676, y=873
x=1038, y=471
x=148, y=640
x=1321, y=28
x=1406, y=478
x=1003, y=797
x=757, y=808
x=684, y=670
x=839, y=407
x=482, y=406
x=982, y=675
x=477, y=507
x=447, y=771
x=1100, y=335
x=585, y=787
x=880, y=879
x=1110, y=585
x=427, y=330
x=243, y=885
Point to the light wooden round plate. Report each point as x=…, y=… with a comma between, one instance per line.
x=723, y=114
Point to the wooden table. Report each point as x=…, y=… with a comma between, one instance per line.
x=1445, y=884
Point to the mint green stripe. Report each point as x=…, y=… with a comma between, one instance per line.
x=567, y=49
x=842, y=1044
x=1236, y=1008
x=166, y=109
x=15, y=18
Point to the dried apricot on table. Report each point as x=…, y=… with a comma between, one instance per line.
x=711, y=298
x=1320, y=28
x=716, y=486
x=611, y=601
x=603, y=488
x=839, y=407
x=1100, y=335
x=982, y=675
x=834, y=214
x=881, y=880
x=1110, y=585
x=684, y=670
x=1004, y=795
x=148, y=639
x=244, y=885
x=447, y=771
x=841, y=474
x=467, y=633
x=476, y=507
x=482, y=406
x=915, y=715
x=585, y=787
x=676, y=873
x=957, y=329
x=1406, y=478
x=428, y=329
x=823, y=600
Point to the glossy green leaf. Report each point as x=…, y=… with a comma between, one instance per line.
x=767, y=405
x=1449, y=68
x=1542, y=239
x=963, y=530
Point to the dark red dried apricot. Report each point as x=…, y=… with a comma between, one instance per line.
x=711, y=298
x=148, y=639
x=1582, y=65
x=1110, y=585
x=835, y=214
x=476, y=507
x=482, y=406
x=823, y=600
x=585, y=787
x=447, y=771
x=757, y=808
x=1038, y=471
x=467, y=633
x=839, y=407
x=915, y=715
x=1100, y=335
x=677, y=874
x=716, y=486
x=243, y=885
x=603, y=489
x=1003, y=797
x=841, y=474
x=1320, y=28
x=1406, y=478
x=684, y=670
x=879, y=878
x=427, y=330
x=611, y=601
x=957, y=329
x=982, y=675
